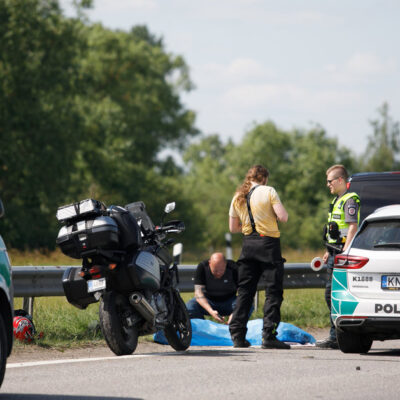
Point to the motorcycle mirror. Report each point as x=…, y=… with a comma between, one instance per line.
x=169, y=207
x=1, y=209
x=177, y=252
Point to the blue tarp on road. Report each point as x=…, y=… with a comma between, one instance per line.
x=209, y=333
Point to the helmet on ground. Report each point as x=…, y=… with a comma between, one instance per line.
x=23, y=329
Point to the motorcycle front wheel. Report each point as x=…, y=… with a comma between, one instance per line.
x=120, y=338
x=179, y=332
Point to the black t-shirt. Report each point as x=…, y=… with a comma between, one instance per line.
x=217, y=289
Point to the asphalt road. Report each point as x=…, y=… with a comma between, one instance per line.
x=158, y=372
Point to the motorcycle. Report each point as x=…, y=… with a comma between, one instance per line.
x=127, y=267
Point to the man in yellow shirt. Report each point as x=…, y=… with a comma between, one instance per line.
x=255, y=211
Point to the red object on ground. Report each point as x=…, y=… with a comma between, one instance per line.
x=23, y=329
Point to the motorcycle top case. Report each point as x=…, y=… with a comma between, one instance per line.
x=144, y=271
x=80, y=210
x=75, y=289
x=81, y=236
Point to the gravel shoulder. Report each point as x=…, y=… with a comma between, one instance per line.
x=34, y=352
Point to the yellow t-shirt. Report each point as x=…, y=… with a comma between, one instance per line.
x=261, y=202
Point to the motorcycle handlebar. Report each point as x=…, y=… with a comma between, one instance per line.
x=171, y=227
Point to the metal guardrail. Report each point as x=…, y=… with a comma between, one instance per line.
x=33, y=281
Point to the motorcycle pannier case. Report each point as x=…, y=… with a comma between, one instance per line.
x=75, y=289
x=81, y=236
x=144, y=271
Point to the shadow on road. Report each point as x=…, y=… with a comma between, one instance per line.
x=16, y=396
x=384, y=352
x=208, y=353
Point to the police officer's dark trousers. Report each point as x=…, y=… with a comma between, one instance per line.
x=261, y=256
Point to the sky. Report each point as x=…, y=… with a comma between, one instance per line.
x=296, y=63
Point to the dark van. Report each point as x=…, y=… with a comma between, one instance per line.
x=376, y=189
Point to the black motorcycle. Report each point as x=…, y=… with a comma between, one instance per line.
x=126, y=265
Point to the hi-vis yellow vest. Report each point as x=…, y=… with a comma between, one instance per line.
x=337, y=215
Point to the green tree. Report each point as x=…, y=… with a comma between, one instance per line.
x=132, y=111
x=297, y=161
x=264, y=144
x=209, y=185
x=305, y=194
x=383, y=145
x=84, y=111
x=39, y=63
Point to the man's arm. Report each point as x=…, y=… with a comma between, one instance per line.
x=202, y=300
x=350, y=234
x=280, y=212
x=234, y=224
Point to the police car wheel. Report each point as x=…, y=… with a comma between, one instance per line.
x=3, y=349
x=350, y=342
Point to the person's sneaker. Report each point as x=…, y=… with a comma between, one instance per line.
x=274, y=344
x=327, y=343
x=239, y=343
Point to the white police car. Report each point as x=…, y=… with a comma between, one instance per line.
x=6, y=305
x=366, y=284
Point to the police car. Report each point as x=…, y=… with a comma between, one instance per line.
x=366, y=283
x=6, y=305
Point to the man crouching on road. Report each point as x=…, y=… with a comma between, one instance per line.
x=215, y=286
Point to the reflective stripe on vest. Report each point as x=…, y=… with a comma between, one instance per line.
x=338, y=215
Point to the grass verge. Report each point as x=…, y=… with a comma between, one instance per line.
x=65, y=326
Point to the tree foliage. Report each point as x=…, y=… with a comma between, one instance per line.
x=39, y=63
x=84, y=111
x=297, y=162
x=383, y=147
x=132, y=108
x=209, y=184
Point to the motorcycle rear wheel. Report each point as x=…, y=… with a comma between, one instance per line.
x=122, y=340
x=179, y=333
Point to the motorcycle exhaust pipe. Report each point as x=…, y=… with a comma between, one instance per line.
x=142, y=306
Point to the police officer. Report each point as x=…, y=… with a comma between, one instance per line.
x=343, y=219
x=255, y=210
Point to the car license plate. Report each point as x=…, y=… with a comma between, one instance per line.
x=390, y=282
x=96, y=284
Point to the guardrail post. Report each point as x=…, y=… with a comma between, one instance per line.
x=27, y=305
x=256, y=299
x=228, y=240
